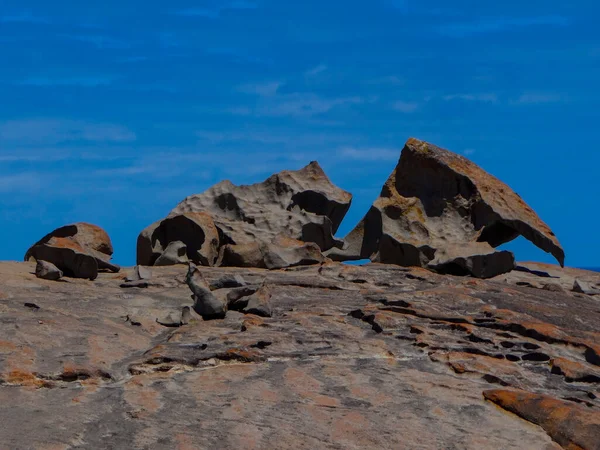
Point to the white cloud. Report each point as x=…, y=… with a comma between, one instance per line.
x=216, y=11
x=100, y=41
x=498, y=24
x=482, y=97
x=369, y=154
x=390, y=79
x=20, y=182
x=316, y=70
x=535, y=98
x=405, y=107
x=86, y=81
x=469, y=151
x=263, y=89
x=24, y=17
x=54, y=131
x=304, y=105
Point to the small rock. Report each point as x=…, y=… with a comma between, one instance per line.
x=188, y=315
x=583, y=287
x=140, y=284
x=258, y=303
x=32, y=306
x=170, y=321
x=205, y=303
x=553, y=287
x=140, y=273
x=228, y=281
x=47, y=271
x=175, y=253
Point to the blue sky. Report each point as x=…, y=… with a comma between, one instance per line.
x=113, y=112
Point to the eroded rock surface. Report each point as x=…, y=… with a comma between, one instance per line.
x=196, y=230
x=375, y=356
x=303, y=205
x=436, y=202
x=79, y=250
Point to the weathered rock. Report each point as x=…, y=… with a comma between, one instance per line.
x=195, y=229
x=575, y=371
x=584, y=288
x=370, y=356
x=205, y=303
x=228, y=282
x=140, y=273
x=47, y=271
x=303, y=205
x=175, y=253
x=67, y=246
x=257, y=302
x=478, y=259
x=66, y=254
x=569, y=424
x=281, y=253
x=435, y=199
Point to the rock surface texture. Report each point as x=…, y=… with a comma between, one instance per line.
x=196, y=230
x=440, y=210
x=264, y=219
x=47, y=271
x=375, y=356
x=79, y=250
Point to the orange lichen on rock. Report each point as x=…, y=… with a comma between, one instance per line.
x=572, y=426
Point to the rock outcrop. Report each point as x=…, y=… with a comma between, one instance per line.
x=302, y=205
x=373, y=356
x=196, y=230
x=79, y=250
x=440, y=210
x=254, y=226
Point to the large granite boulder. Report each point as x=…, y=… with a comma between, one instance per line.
x=79, y=250
x=196, y=230
x=440, y=210
x=302, y=205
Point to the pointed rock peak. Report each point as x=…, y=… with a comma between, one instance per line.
x=435, y=198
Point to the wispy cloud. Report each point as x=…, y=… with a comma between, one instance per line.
x=493, y=25
x=100, y=41
x=390, y=79
x=24, y=17
x=536, y=98
x=215, y=11
x=481, y=97
x=25, y=181
x=85, y=81
x=316, y=70
x=304, y=105
x=469, y=151
x=55, y=131
x=405, y=107
x=369, y=154
x=267, y=89
x=238, y=56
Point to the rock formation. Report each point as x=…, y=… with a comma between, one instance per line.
x=254, y=226
x=47, y=271
x=79, y=250
x=440, y=210
x=282, y=252
x=303, y=205
x=196, y=230
x=374, y=356
x=205, y=303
